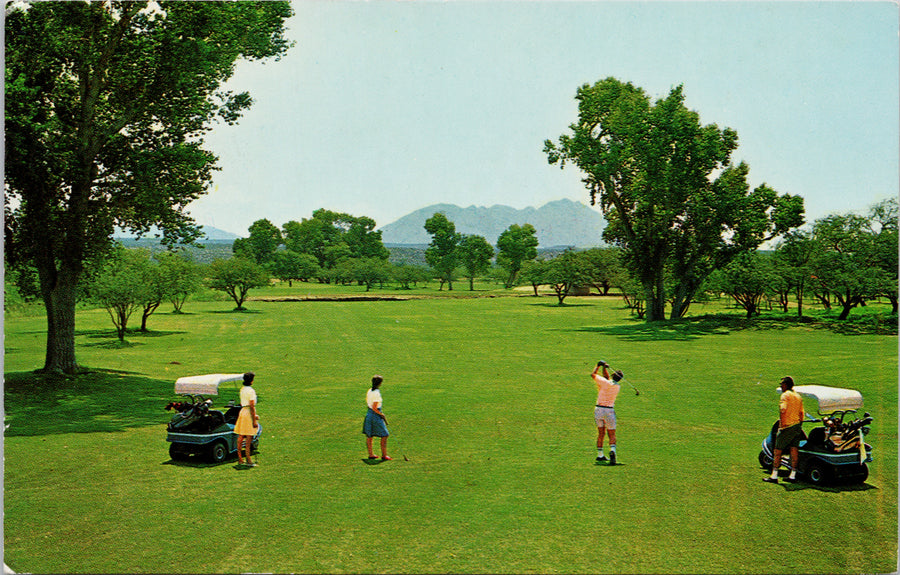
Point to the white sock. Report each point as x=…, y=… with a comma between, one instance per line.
x=600, y=452
x=793, y=474
x=774, y=473
x=612, y=448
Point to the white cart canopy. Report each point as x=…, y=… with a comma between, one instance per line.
x=830, y=399
x=205, y=384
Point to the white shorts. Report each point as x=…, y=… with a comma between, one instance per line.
x=605, y=417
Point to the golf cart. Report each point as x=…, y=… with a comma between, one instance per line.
x=197, y=428
x=835, y=449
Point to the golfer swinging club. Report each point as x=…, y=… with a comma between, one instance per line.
x=604, y=412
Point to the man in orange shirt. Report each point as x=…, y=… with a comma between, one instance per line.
x=790, y=430
x=604, y=412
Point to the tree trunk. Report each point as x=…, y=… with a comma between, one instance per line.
x=58, y=290
x=655, y=295
x=845, y=311
x=510, y=282
x=751, y=310
x=121, y=323
x=148, y=311
x=681, y=305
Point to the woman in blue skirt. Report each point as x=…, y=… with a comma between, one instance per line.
x=375, y=424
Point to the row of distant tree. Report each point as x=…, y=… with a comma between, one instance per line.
x=841, y=261
x=338, y=247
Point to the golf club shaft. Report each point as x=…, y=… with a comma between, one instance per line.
x=628, y=382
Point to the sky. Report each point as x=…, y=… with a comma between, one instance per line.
x=385, y=107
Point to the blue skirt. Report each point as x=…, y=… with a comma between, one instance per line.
x=374, y=426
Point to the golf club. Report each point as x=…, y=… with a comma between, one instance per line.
x=636, y=392
x=400, y=446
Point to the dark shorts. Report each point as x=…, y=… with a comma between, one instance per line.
x=374, y=426
x=789, y=437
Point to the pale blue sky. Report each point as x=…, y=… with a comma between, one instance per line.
x=385, y=107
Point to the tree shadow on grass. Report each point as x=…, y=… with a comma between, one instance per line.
x=675, y=330
x=111, y=333
x=102, y=400
x=111, y=339
x=555, y=305
x=722, y=324
x=235, y=311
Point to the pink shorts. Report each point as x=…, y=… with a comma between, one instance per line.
x=605, y=417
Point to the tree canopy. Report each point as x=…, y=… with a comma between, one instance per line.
x=123, y=285
x=668, y=190
x=854, y=261
x=442, y=254
x=516, y=245
x=236, y=277
x=331, y=236
x=107, y=104
x=475, y=253
x=265, y=237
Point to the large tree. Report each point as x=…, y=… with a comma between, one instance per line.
x=442, y=253
x=181, y=276
x=747, y=279
x=668, y=190
x=849, y=262
x=475, y=253
x=567, y=271
x=326, y=229
x=107, y=104
x=884, y=225
x=236, y=277
x=261, y=245
x=792, y=265
x=123, y=285
x=515, y=246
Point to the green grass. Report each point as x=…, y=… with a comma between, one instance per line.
x=489, y=398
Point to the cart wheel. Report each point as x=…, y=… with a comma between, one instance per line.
x=764, y=461
x=818, y=473
x=218, y=452
x=177, y=454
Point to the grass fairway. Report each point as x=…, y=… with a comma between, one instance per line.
x=490, y=400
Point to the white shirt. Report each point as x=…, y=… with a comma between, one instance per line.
x=248, y=394
x=373, y=396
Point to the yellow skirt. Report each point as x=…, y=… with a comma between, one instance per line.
x=245, y=424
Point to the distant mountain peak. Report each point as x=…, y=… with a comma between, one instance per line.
x=209, y=233
x=561, y=222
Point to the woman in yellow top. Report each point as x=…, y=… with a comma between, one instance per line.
x=246, y=426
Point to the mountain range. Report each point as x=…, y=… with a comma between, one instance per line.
x=210, y=233
x=558, y=223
